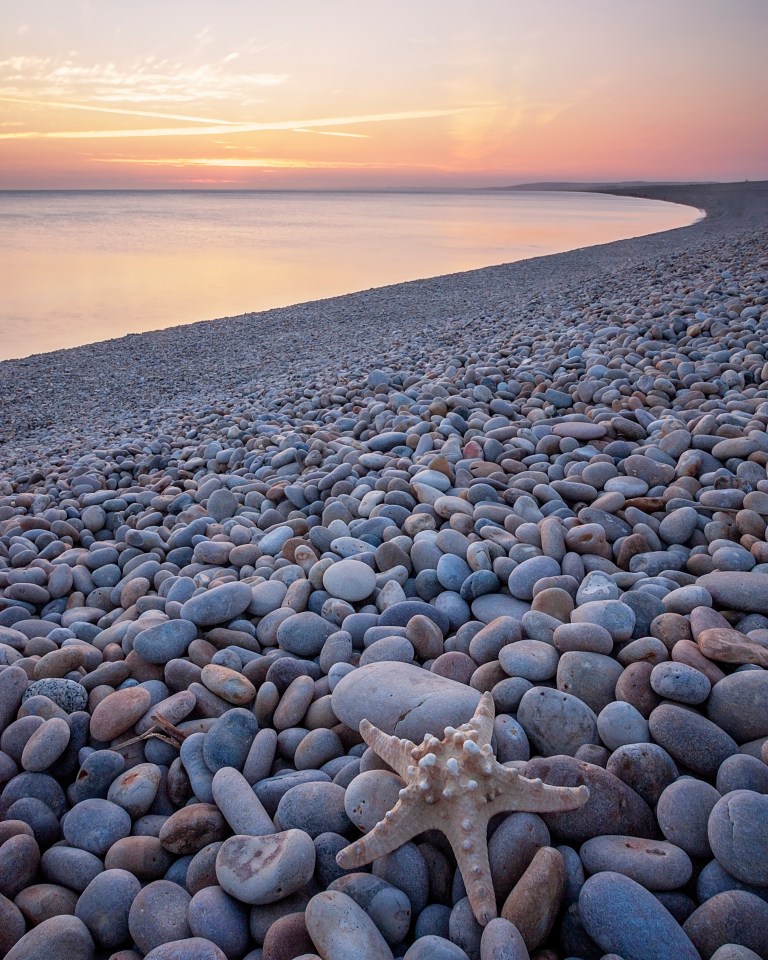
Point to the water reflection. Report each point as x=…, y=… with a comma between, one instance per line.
x=80, y=267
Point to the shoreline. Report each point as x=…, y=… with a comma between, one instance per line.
x=77, y=399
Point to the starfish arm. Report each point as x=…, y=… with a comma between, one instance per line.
x=519, y=793
x=386, y=836
x=392, y=750
x=470, y=846
x=482, y=721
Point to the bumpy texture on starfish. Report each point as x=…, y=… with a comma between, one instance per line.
x=455, y=785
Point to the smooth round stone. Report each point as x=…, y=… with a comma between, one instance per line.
x=341, y=930
x=591, y=677
x=190, y=948
x=586, y=637
x=433, y=947
x=388, y=649
x=350, y=580
x=501, y=940
x=304, y=634
x=683, y=813
x=215, y=916
x=690, y=739
x=493, y=605
x=229, y=740
x=217, y=605
x=654, y=864
x=118, y=712
x=239, y=805
x=678, y=525
x=535, y=900
x=67, y=694
x=136, y=789
x=70, y=866
x=314, y=808
x=19, y=860
x=12, y=925
x=619, y=724
x=193, y=827
x=556, y=722
x=165, y=641
x=612, y=807
x=319, y=746
x=94, y=825
x=737, y=590
x=46, y=745
x=64, y=937
x=158, y=915
x=369, y=796
x=228, y=684
x=579, y=430
x=742, y=772
x=738, y=704
x=624, y=918
x=403, y=699
x=261, y=870
x=645, y=767
x=526, y=574
x=734, y=951
x=104, y=906
x=41, y=901
x=531, y=659
x=738, y=835
x=613, y=615
x=511, y=848
x=596, y=586
x=679, y=682
x=734, y=917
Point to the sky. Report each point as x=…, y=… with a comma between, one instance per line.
x=345, y=94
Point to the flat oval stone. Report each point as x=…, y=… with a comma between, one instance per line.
x=691, y=739
x=738, y=704
x=612, y=807
x=192, y=828
x=531, y=659
x=304, y=634
x=403, y=699
x=228, y=684
x=217, y=605
x=737, y=590
x=341, y=930
x=350, y=580
x=260, y=870
x=94, y=825
x=738, y=835
x=63, y=936
x=370, y=795
x=104, y=906
x=46, y=745
x=118, y=712
x=190, y=948
x=158, y=915
x=165, y=641
x=654, y=864
x=623, y=918
x=556, y=722
x=678, y=681
x=683, y=813
x=645, y=767
x=732, y=917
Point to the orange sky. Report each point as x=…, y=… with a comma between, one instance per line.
x=351, y=93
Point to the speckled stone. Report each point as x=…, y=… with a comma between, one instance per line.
x=67, y=694
x=158, y=915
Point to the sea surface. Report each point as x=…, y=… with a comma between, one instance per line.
x=82, y=266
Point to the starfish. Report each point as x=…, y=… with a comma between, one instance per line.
x=454, y=785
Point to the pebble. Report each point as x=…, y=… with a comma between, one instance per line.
x=63, y=936
x=608, y=900
x=734, y=917
x=94, y=825
x=259, y=870
x=654, y=864
x=556, y=722
x=738, y=835
x=158, y=915
x=683, y=813
x=341, y=930
x=350, y=580
x=104, y=906
x=402, y=699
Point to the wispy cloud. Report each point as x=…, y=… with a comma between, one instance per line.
x=229, y=128
x=116, y=110
x=146, y=79
x=330, y=133
x=261, y=163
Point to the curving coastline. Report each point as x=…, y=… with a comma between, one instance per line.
x=61, y=402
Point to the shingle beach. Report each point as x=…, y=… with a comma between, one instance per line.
x=224, y=546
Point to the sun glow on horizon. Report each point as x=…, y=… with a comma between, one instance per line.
x=426, y=94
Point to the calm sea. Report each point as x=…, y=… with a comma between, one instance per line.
x=78, y=267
